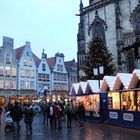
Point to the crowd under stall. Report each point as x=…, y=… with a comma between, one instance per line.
x=124, y=101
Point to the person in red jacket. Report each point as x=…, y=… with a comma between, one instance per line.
x=57, y=115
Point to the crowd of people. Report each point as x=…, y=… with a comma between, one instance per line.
x=54, y=113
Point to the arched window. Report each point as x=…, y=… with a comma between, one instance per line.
x=98, y=27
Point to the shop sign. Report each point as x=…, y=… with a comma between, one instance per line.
x=87, y=113
x=128, y=117
x=113, y=115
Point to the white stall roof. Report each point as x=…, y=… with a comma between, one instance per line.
x=108, y=81
x=137, y=72
x=94, y=85
x=122, y=78
x=135, y=78
x=75, y=87
x=83, y=86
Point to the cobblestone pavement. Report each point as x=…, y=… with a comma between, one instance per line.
x=90, y=131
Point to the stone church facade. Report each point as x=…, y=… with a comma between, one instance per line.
x=117, y=23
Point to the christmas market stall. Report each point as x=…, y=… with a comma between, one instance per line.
x=94, y=101
x=124, y=100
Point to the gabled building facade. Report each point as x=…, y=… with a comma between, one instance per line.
x=26, y=72
x=8, y=71
x=24, y=76
x=59, y=77
x=43, y=76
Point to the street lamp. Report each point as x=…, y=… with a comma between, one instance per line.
x=97, y=72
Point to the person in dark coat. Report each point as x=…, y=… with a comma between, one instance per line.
x=16, y=114
x=28, y=118
x=81, y=113
x=69, y=112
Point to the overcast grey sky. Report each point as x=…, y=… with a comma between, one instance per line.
x=48, y=24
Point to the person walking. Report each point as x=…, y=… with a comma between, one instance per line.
x=28, y=119
x=16, y=114
x=45, y=108
x=81, y=113
x=69, y=112
x=51, y=114
x=57, y=116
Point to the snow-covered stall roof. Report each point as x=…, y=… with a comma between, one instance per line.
x=135, y=78
x=83, y=86
x=122, y=78
x=74, y=89
x=94, y=85
x=108, y=81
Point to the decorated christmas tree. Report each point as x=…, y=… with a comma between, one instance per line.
x=98, y=55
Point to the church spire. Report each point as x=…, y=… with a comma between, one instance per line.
x=81, y=6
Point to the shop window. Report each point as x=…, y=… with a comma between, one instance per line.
x=138, y=100
x=114, y=100
x=128, y=101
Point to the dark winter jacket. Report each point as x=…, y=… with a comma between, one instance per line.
x=28, y=115
x=16, y=113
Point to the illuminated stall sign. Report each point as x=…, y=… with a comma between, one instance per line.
x=113, y=115
x=128, y=117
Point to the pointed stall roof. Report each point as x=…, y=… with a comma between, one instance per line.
x=74, y=89
x=135, y=78
x=108, y=82
x=122, y=78
x=94, y=85
x=83, y=86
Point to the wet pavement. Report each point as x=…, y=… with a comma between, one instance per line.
x=90, y=131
